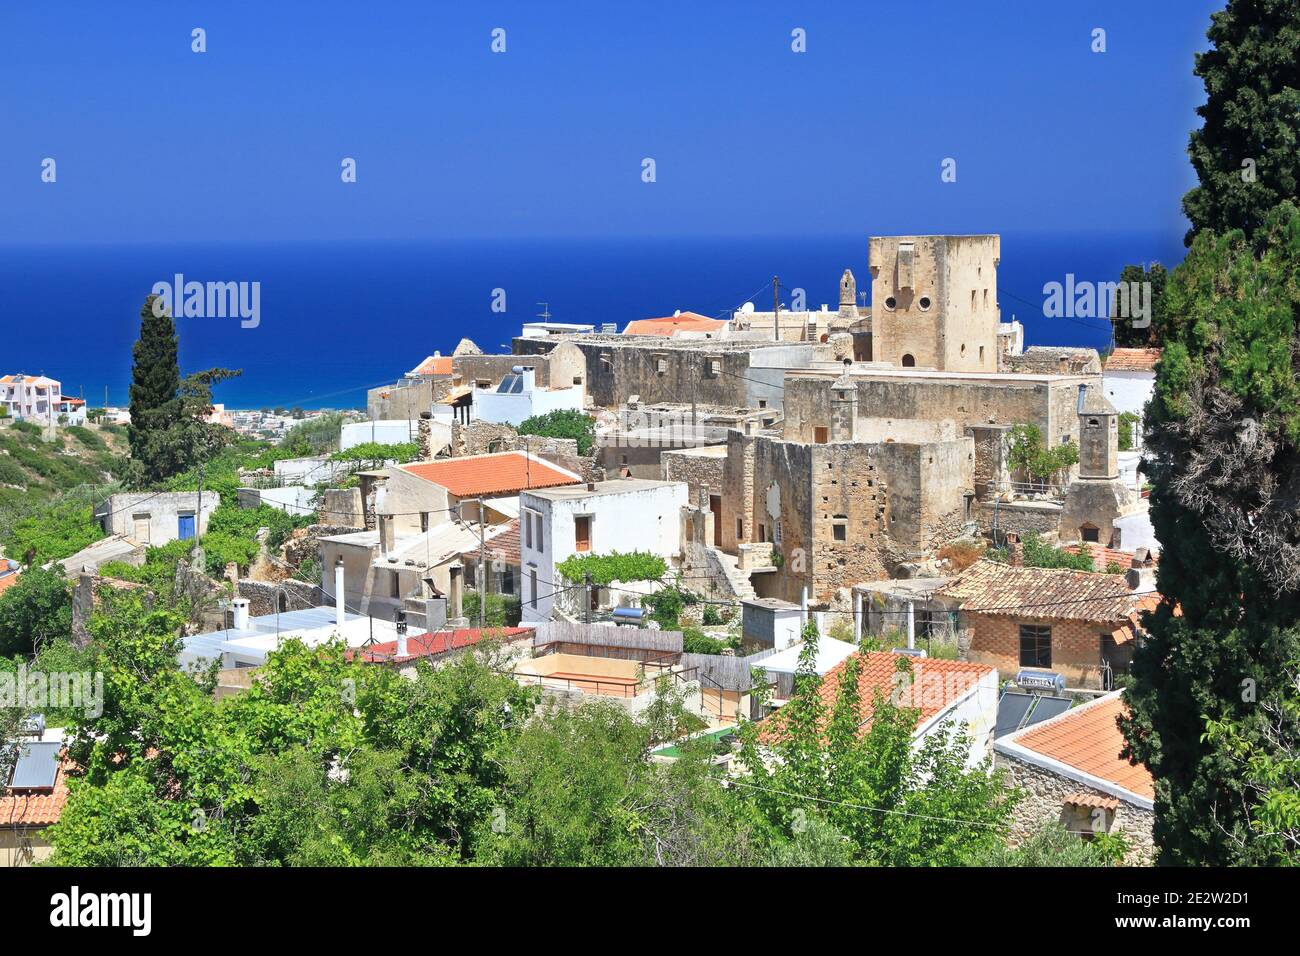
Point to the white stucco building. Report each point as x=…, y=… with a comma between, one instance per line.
x=629, y=514
x=518, y=397
x=34, y=398
x=1129, y=379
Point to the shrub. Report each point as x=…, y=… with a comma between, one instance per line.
x=960, y=555
x=695, y=641
x=502, y=610
x=615, y=566
x=1127, y=428
x=563, y=423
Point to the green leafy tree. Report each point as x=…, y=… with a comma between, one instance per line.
x=1030, y=455
x=1245, y=153
x=34, y=611
x=894, y=802
x=563, y=423
x=1223, y=460
x=1126, y=335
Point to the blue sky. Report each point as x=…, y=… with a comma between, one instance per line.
x=244, y=141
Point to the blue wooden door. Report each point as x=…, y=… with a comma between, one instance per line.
x=185, y=525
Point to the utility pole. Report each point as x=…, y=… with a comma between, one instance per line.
x=776, y=308
x=198, y=517
x=695, y=374
x=482, y=577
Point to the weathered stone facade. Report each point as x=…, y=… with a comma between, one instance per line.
x=1044, y=802
x=841, y=511
x=622, y=368
x=892, y=396
x=934, y=301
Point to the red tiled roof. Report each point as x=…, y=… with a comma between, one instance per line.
x=433, y=365
x=1091, y=800
x=499, y=474
x=503, y=546
x=935, y=685
x=8, y=581
x=681, y=322
x=34, y=808
x=1087, y=738
x=988, y=587
x=1103, y=557
x=426, y=645
x=1132, y=360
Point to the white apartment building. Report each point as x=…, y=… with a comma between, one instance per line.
x=31, y=397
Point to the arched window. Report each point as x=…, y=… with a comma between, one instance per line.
x=909, y=360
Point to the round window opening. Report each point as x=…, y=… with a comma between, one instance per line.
x=891, y=303
x=924, y=303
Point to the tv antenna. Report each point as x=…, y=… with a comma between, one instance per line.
x=545, y=314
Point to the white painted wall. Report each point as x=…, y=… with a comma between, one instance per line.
x=1135, y=531
x=384, y=431
x=493, y=406
x=1129, y=392
x=643, y=519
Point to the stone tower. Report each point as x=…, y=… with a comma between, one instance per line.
x=934, y=301
x=844, y=408
x=848, y=295
x=1098, y=435
x=1098, y=496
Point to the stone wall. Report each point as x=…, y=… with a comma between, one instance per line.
x=1019, y=517
x=965, y=401
x=481, y=438
x=290, y=595
x=1044, y=803
x=704, y=473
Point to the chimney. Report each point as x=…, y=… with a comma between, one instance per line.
x=529, y=376
x=399, y=622
x=239, y=613
x=1140, y=578
x=339, y=611
x=424, y=432
x=1016, y=552
x=385, y=534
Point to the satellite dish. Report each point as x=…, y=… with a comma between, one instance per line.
x=747, y=308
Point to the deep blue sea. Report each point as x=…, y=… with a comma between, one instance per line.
x=340, y=317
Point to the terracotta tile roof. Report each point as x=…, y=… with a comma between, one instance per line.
x=1132, y=360
x=441, y=642
x=34, y=808
x=681, y=322
x=433, y=365
x=1102, y=556
x=1087, y=738
x=498, y=474
x=936, y=685
x=1085, y=799
x=8, y=581
x=988, y=587
x=504, y=546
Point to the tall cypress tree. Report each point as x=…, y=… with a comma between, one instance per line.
x=155, y=390
x=1223, y=455
x=1246, y=155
